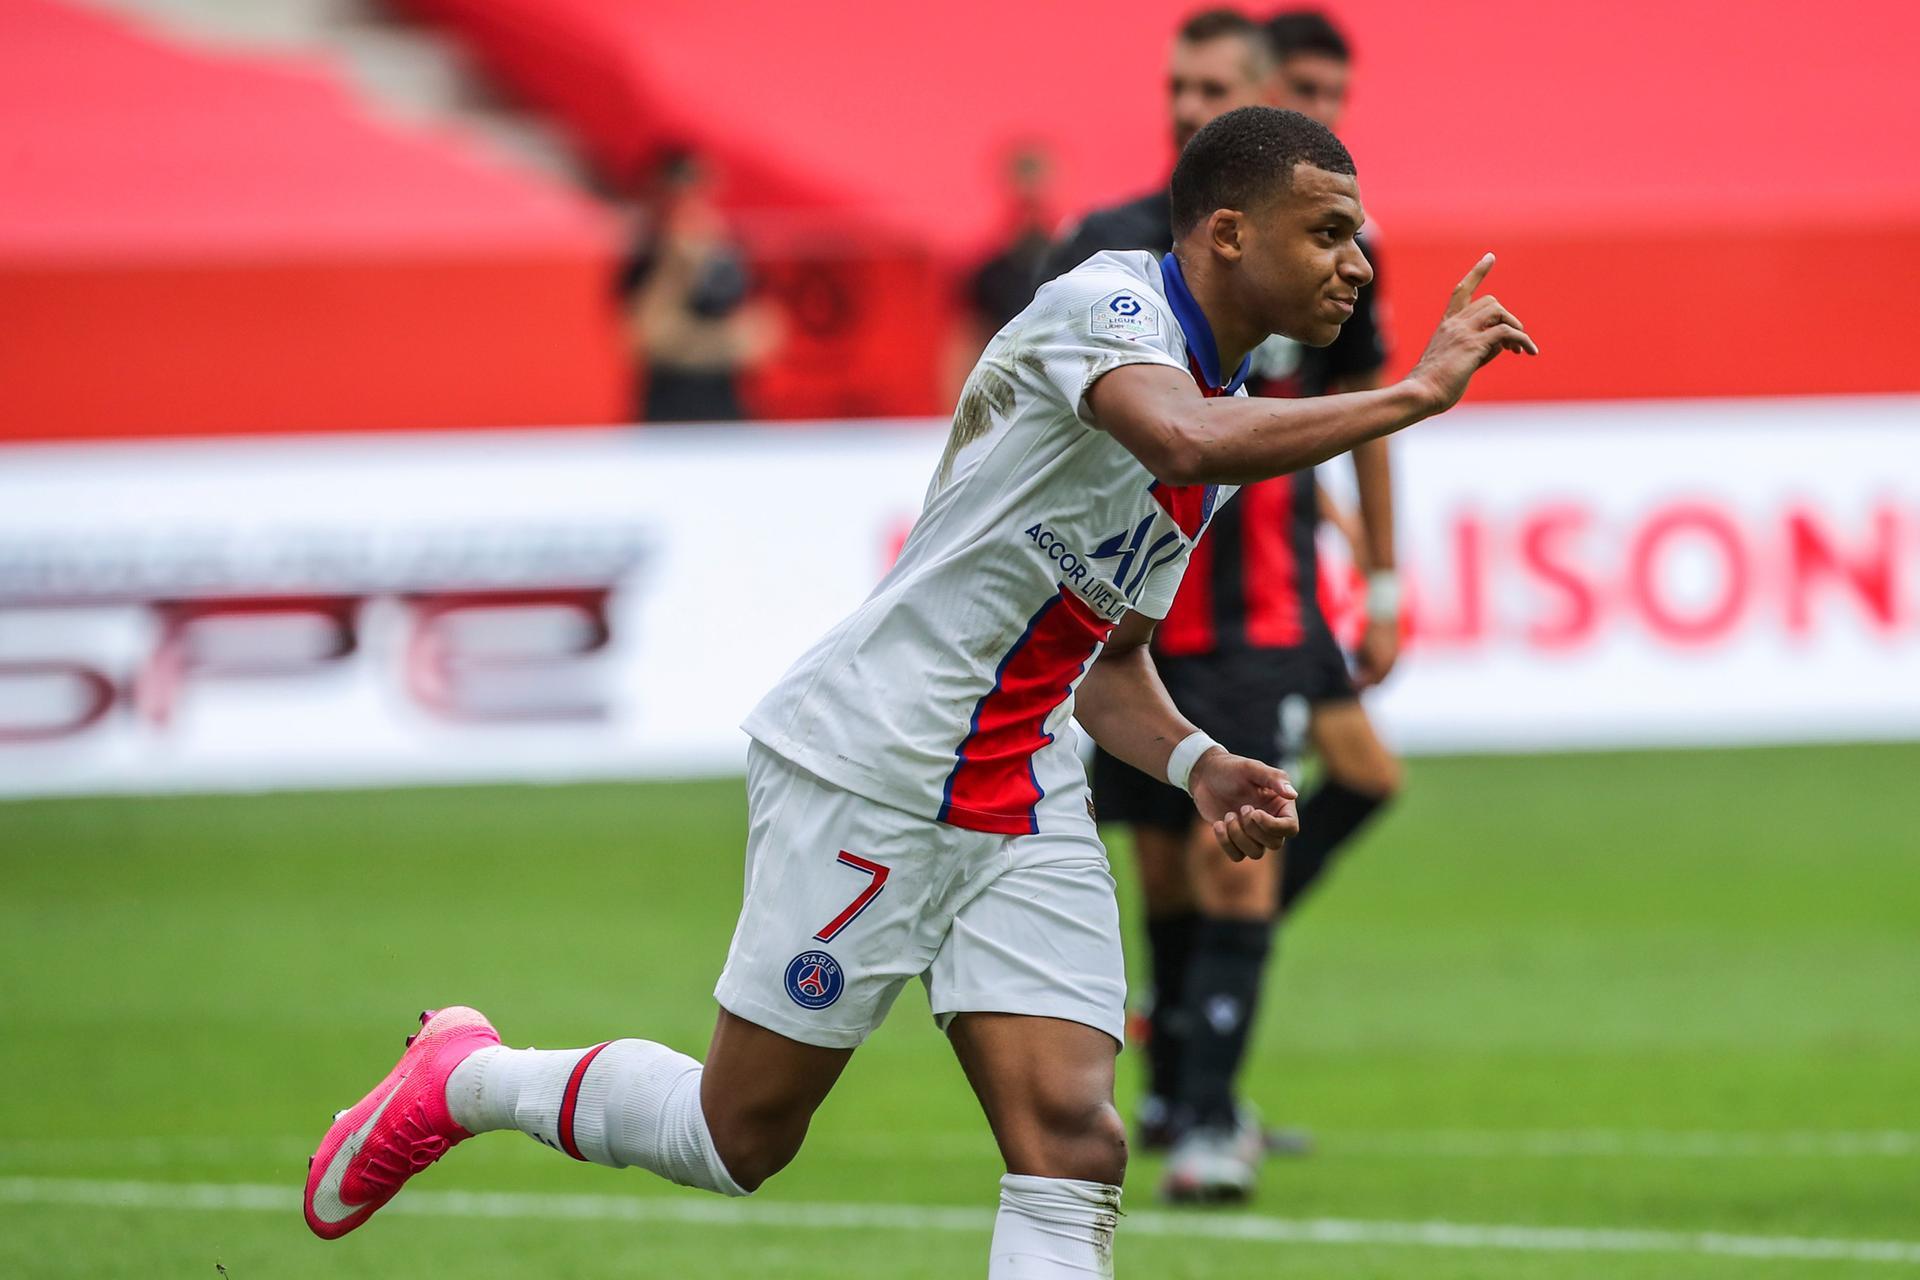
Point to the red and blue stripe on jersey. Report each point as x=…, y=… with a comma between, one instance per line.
x=1202, y=352
x=1191, y=506
x=993, y=786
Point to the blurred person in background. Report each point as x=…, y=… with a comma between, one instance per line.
x=694, y=326
x=999, y=288
x=1247, y=650
x=1220, y=60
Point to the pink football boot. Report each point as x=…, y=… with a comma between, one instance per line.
x=395, y=1131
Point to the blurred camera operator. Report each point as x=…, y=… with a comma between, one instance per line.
x=694, y=326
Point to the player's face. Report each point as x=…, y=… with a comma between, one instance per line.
x=1209, y=79
x=1300, y=266
x=1314, y=85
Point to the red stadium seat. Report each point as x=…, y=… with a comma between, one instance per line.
x=193, y=243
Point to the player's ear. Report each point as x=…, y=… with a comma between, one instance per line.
x=1224, y=227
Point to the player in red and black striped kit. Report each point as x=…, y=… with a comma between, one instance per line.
x=1248, y=654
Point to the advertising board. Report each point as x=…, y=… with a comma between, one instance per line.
x=569, y=604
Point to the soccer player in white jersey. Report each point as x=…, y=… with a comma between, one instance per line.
x=916, y=809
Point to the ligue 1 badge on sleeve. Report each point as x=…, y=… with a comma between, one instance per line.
x=1125, y=315
x=814, y=980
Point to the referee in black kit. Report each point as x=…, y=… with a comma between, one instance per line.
x=1247, y=655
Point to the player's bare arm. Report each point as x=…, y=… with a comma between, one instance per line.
x=1379, y=646
x=1373, y=483
x=1185, y=438
x=1373, y=552
x=1248, y=803
x=1347, y=523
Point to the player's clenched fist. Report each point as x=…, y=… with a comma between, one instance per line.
x=1472, y=332
x=1248, y=803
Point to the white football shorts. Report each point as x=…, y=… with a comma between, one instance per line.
x=847, y=898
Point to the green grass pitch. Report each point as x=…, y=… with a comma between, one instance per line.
x=1663, y=1007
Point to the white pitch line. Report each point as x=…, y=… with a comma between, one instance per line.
x=152, y=1151
x=1653, y=1143
x=1462, y=1142
x=1656, y=1144
x=786, y=1216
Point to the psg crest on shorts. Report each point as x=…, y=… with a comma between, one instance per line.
x=814, y=980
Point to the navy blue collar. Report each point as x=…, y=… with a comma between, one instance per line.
x=1193, y=323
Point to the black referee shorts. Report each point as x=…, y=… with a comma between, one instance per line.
x=1253, y=702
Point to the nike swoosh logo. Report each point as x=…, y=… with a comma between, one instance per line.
x=326, y=1196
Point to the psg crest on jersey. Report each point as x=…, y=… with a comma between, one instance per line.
x=814, y=980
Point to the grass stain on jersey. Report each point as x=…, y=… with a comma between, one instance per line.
x=986, y=394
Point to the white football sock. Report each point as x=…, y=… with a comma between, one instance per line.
x=483, y=1089
x=626, y=1102
x=1053, y=1229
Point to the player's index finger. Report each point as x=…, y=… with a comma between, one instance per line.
x=1463, y=292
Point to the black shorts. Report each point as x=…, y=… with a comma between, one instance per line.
x=1253, y=702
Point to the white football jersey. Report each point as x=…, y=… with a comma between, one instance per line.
x=947, y=693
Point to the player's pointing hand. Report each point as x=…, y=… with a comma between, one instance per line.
x=1471, y=332
x=1463, y=292
x=1248, y=803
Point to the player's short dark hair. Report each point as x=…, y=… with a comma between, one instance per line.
x=1217, y=24
x=1246, y=157
x=1294, y=31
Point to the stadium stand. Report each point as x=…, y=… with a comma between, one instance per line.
x=1660, y=256
x=163, y=203
x=396, y=66
x=194, y=242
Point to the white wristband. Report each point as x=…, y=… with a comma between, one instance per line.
x=1383, y=596
x=1185, y=756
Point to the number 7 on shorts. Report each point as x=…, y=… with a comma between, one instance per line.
x=878, y=882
